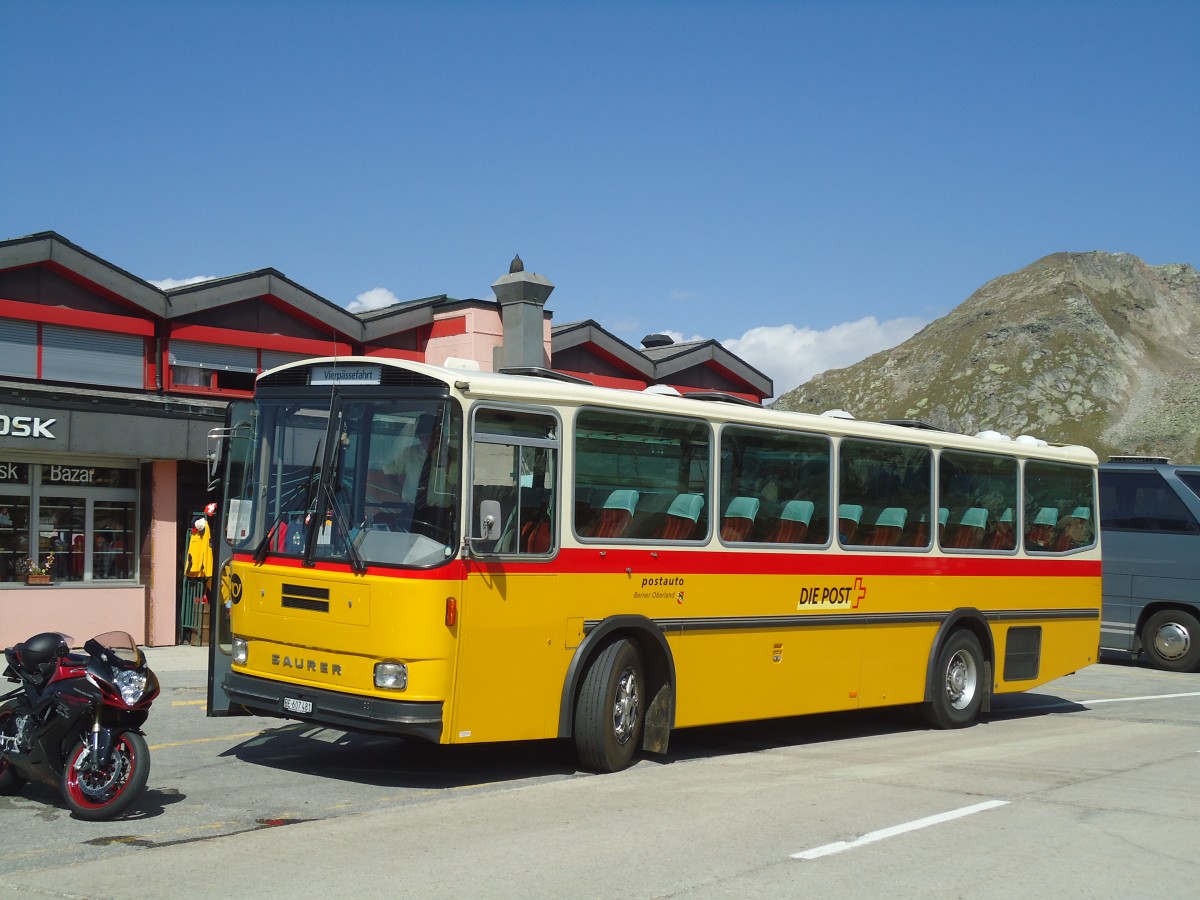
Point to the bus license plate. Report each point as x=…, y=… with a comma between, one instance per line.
x=304, y=707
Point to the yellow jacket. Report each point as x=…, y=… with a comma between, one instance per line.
x=199, y=555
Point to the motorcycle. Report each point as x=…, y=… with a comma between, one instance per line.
x=75, y=721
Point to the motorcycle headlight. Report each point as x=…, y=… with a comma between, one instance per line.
x=131, y=684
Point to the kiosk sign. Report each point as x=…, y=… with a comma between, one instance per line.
x=26, y=426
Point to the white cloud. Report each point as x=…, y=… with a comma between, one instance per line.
x=677, y=336
x=791, y=356
x=167, y=284
x=375, y=298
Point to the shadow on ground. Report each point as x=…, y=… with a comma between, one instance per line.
x=395, y=762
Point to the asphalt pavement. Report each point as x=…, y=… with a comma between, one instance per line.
x=1083, y=788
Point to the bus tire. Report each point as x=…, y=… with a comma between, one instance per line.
x=609, y=714
x=1171, y=640
x=958, y=682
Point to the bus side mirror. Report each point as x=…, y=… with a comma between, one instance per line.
x=489, y=520
x=216, y=444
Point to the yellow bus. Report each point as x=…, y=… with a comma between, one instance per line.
x=464, y=556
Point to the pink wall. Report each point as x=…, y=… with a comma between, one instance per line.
x=162, y=579
x=81, y=612
x=483, y=334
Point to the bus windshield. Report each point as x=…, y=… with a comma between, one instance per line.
x=368, y=482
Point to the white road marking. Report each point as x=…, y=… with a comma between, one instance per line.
x=839, y=846
x=1131, y=699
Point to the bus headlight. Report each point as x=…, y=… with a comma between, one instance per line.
x=391, y=676
x=240, y=650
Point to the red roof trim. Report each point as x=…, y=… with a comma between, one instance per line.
x=62, y=315
x=208, y=334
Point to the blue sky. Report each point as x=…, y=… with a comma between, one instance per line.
x=807, y=182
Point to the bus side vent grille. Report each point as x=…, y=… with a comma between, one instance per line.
x=1023, y=653
x=296, y=596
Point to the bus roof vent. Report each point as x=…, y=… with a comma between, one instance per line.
x=541, y=372
x=664, y=389
x=1030, y=439
x=990, y=435
x=837, y=414
x=911, y=423
x=719, y=397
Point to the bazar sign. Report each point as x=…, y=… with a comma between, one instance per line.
x=26, y=426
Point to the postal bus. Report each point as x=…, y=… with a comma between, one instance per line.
x=464, y=556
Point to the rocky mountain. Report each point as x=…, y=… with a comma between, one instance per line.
x=1098, y=349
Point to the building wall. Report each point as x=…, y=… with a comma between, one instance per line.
x=159, y=417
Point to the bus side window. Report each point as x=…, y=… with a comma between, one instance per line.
x=977, y=493
x=774, y=486
x=515, y=463
x=643, y=463
x=1059, y=501
x=881, y=486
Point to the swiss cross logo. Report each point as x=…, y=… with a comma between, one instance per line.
x=862, y=592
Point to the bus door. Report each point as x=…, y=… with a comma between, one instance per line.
x=228, y=460
x=510, y=620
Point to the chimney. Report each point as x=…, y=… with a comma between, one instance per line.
x=522, y=297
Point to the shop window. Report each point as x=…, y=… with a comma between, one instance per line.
x=14, y=536
x=112, y=540
x=86, y=516
x=62, y=532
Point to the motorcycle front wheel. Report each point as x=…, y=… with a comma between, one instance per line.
x=97, y=794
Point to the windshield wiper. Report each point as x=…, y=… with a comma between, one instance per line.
x=285, y=508
x=356, y=561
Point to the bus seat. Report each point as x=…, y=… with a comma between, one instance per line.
x=682, y=517
x=1074, y=530
x=920, y=535
x=889, y=525
x=739, y=518
x=1003, y=537
x=794, y=520
x=616, y=514
x=969, y=534
x=535, y=532
x=849, y=515
x=1041, y=532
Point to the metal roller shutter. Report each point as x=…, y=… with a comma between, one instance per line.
x=18, y=348
x=93, y=357
x=213, y=356
x=273, y=358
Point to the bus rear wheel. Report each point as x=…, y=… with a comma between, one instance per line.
x=958, y=683
x=609, y=714
x=1171, y=640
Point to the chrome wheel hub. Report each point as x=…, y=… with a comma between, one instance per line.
x=962, y=678
x=625, y=706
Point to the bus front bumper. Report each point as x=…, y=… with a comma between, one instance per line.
x=349, y=712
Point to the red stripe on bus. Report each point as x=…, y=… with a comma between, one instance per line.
x=594, y=561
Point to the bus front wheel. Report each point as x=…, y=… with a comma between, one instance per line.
x=1171, y=640
x=958, y=683
x=609, y=712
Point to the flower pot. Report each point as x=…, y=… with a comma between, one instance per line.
x=34, y=578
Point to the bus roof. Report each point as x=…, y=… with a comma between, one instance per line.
x=531, y=387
